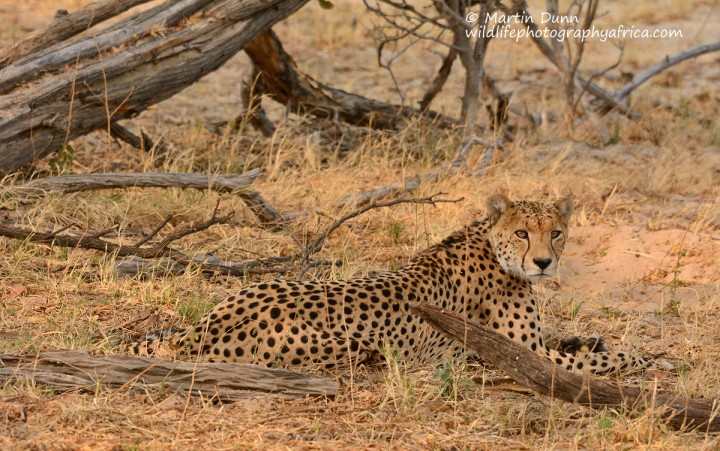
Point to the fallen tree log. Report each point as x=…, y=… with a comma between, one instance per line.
x=78, y=370
x=545, y=377
x=52, y=94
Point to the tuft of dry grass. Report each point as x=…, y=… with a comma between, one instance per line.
x=651, y=182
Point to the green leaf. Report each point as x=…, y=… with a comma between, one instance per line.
x=325, y=4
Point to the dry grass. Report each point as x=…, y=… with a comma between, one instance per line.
x=653, y=179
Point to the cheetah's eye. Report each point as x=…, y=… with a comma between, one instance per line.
x=521, y=234
x=555, y=233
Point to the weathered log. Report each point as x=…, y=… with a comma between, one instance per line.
x=78, y=370
x=65, y=27
x=74, y=87
x=284, y=82
x=86, y=182
x=545, y=377
x=233, y=183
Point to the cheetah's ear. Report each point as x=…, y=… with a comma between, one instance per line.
x=565, y=207
x=496, y=205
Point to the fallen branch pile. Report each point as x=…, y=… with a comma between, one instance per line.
x=545, y=377
x=176, y=261
x=78, y=370
x=140, y=249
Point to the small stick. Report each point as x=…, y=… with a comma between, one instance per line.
x=155, y=231
x=102, y=233
x=143, y=142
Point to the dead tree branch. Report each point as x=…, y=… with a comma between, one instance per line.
x=545, y=377
x=90, y=241
x=65, y=27
x=78, y=370
x=439, y=81
x=207, y=264
x=59, y=89
x=251, y=89
x=376, y=194
x=87, y=182
x=285, y=84
x=238, y=184
x=546, y=49
x=569, y=61
x=667, y=62
x=142, y=142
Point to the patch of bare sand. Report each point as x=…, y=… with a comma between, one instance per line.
x=632, y=268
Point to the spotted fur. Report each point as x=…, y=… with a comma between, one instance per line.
x=483, y=271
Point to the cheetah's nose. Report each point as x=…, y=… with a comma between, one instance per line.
x=542, y=263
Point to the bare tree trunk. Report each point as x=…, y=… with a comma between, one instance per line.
x=472, y=59
x=43, y=106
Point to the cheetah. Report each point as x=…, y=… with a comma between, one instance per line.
x=484, y=271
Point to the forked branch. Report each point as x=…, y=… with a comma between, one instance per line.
x=667, y=62
x=317, y=245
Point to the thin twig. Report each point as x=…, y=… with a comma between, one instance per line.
x=317, y=245
x=155, y=231
x=459, y=159
x=142, y=142
x=376, y=194
x=102, y=233
x=60, y=230
x=214, y=219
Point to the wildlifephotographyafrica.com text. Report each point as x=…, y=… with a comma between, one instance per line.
x=504, y=26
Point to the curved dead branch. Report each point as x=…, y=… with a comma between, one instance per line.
x=283, y=82
x=545, y=377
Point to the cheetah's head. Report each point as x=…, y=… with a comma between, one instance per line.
x=528, y=237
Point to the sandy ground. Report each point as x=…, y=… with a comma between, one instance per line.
x=632, y=268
